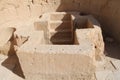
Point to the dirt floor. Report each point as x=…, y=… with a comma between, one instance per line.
x=109, y=68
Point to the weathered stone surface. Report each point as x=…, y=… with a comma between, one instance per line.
x=89, y=29
x=48, y=61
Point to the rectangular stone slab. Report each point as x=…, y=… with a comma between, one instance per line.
x=54, y=61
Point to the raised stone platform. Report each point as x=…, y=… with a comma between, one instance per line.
x=67, y=47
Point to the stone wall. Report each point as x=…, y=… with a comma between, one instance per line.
x=106, y=11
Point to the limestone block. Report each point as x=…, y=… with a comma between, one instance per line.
x=60, y=16
x=98, y=40
x=90, y=32
x=54, y=61
x=41, y=25
x=93, y=36
x=99, y=43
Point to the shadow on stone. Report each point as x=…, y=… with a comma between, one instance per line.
x=12, y=62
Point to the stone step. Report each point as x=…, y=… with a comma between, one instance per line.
x=61, y=38
x=60, y=35
x=60, y=25
x=54, y=31
x=60, y=16
x=64, y=40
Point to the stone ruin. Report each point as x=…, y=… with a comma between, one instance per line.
x=61, y=46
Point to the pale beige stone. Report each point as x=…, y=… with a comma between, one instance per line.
x=89, y=30
x=5, y=35
x=65, y=60
x=56, y=61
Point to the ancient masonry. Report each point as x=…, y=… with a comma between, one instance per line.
x=62, y=46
